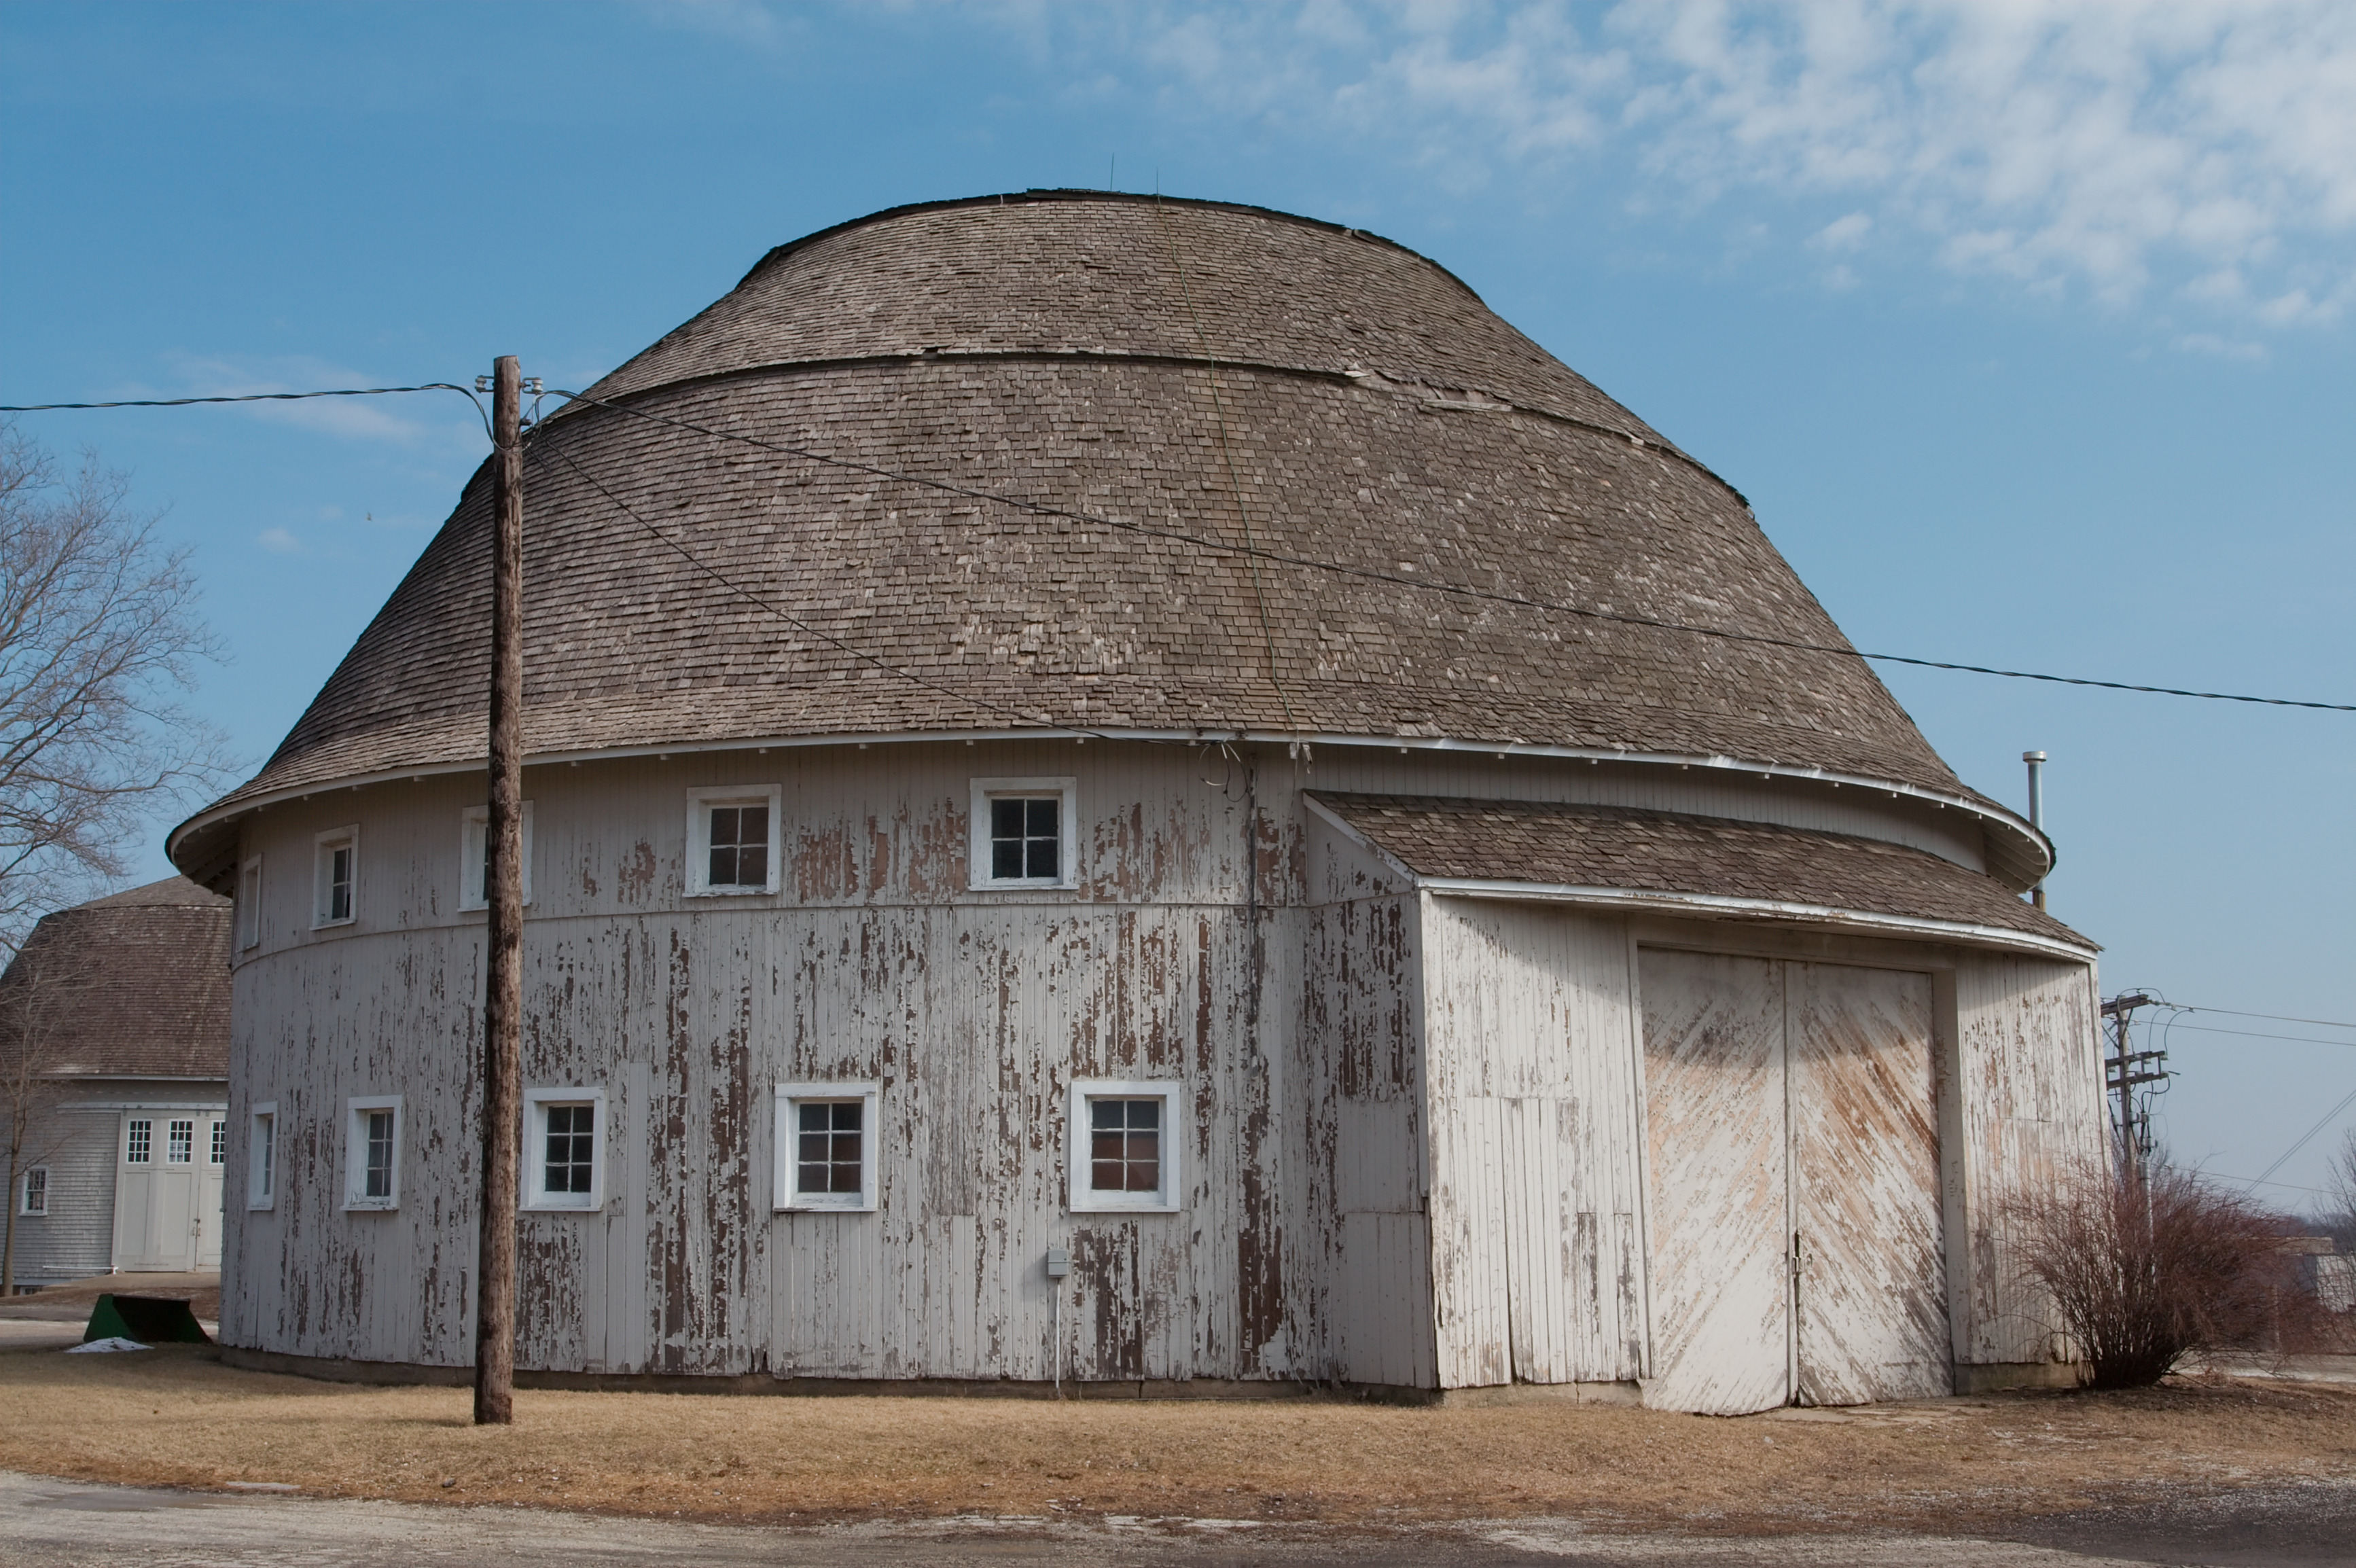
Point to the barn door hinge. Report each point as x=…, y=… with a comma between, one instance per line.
x=1799, y=1257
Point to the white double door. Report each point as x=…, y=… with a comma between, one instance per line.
x=1797, y=1248
x=167, y=1191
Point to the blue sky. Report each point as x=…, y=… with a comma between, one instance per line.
x=2026, y=330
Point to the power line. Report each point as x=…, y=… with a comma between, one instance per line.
x=2172, y=1025
x=1044, y=509
x=2329, y=1117
x=1251, y=550
x=2276, y=1017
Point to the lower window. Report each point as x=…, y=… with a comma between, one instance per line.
x=565, y=1166
x=1125, y=1146
x=372, y=1152
x=826, y=1145
x=33, y=1197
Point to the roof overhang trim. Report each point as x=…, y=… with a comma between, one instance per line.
x=2030, y=845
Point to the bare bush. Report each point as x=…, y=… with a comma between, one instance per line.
x=2340, y=1218
x=2144, y=1272
x=99, y=638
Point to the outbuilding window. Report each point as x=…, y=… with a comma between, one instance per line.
x=826, y=1145
x=138, y=1142
x=336, y=876
x=217, y=1147
x=249, y=903
x=372, y=1152
x=563, y=1153
x=33, y=1193
x=475, y=856
x=180, y=1145
x=1022, y=833
x=732, y=840
x=1125, y=1146
x=261, y=1159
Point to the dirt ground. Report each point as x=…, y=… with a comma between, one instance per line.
x=175, y=1416
x=73, y=1300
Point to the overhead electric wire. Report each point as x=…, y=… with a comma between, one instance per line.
x=1044, y=508
x=2171, y=1025
x=1251, y=550
x=2276, y=1017
x=2329, y=1117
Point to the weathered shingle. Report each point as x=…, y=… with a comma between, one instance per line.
x=134, y=985
x=787, y=595
x=1637, y=850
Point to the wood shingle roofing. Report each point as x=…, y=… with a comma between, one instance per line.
x=1625, y=850
x=132, y=985
x=1132, y=392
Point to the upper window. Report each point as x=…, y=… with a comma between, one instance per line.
x=180, y=1144
x=732, y=840
x=217, y=1148
x=1124, y=1145
x=249, y=903
x=564, y=1132
x=475, y=856
x=1022, y=833
x=32, y=1192
x=261, y=1159
x=336, y=877
x=826, y=1145
x=138, y=1142
x=372, y=1152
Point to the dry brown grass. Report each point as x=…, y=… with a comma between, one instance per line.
x=176, y=1416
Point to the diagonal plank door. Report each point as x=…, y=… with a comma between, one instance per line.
x=1865, y=1171
x=1714, y=1097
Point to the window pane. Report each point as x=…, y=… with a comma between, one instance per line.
x=182, y=1148
x=268, y=1131
x=1006, y=819
x=723, y=825
x=136, y=1147
x=1144, y=1162
x=752, y=867
x=379, y=1154
x=1104, y=1175
x=827, y=1149
x=753, y=824
x=1040, y=859
x=219, y=1142
x=1039, y=818
x=1006, y=859
x=37, y=1191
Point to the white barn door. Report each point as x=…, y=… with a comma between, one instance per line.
x=1791, y=1114
x=1714, y=1091
x=157, y=1188
x=1872, y=1282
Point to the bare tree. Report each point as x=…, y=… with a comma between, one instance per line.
x=100, y=639
x=2340, y=1217
x=38, y=995
x=2143, y=1270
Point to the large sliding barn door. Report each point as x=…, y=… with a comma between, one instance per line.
x=1792, y=1115
x=1872, y=1282
x=1720, y=1203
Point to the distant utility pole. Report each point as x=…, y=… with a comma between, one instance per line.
x=2125, y=1070
x=494, y=1271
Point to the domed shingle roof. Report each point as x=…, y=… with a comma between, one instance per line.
x=1087, y=461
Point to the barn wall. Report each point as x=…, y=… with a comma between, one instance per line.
x=2028, y=1107
x=1364, y=1236
x=1536, y=1184
x=75, y=1136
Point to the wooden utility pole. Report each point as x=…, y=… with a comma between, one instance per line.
x=495, y=1270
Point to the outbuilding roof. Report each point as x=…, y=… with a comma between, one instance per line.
x=132, y=985
x=1758, y=869
x=1074, y=461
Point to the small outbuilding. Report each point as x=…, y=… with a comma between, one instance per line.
x=1162, y=738
x=114, y=1023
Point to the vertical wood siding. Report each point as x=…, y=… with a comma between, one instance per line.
x=1535, y=1184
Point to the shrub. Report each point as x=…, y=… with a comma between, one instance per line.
x=2145, y=1271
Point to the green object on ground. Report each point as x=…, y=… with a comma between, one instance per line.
x=150, y=1320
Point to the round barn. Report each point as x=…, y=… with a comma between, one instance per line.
x=1144, y=793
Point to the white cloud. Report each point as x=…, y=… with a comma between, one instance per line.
x=407, y=419
x=279, y=542
x=2126, y=150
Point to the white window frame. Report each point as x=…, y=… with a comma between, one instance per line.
x=532, y=1191
x=474, y=837
x=1067, y=847
x=192, y=1123
x=321, y=857
x=1084, y=1199
x=25, y=1192
x=215, y=1143
x=699, y=802
x=791, y=1097
x=262, y=1156
x=249, y=904
x=356, y=1110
